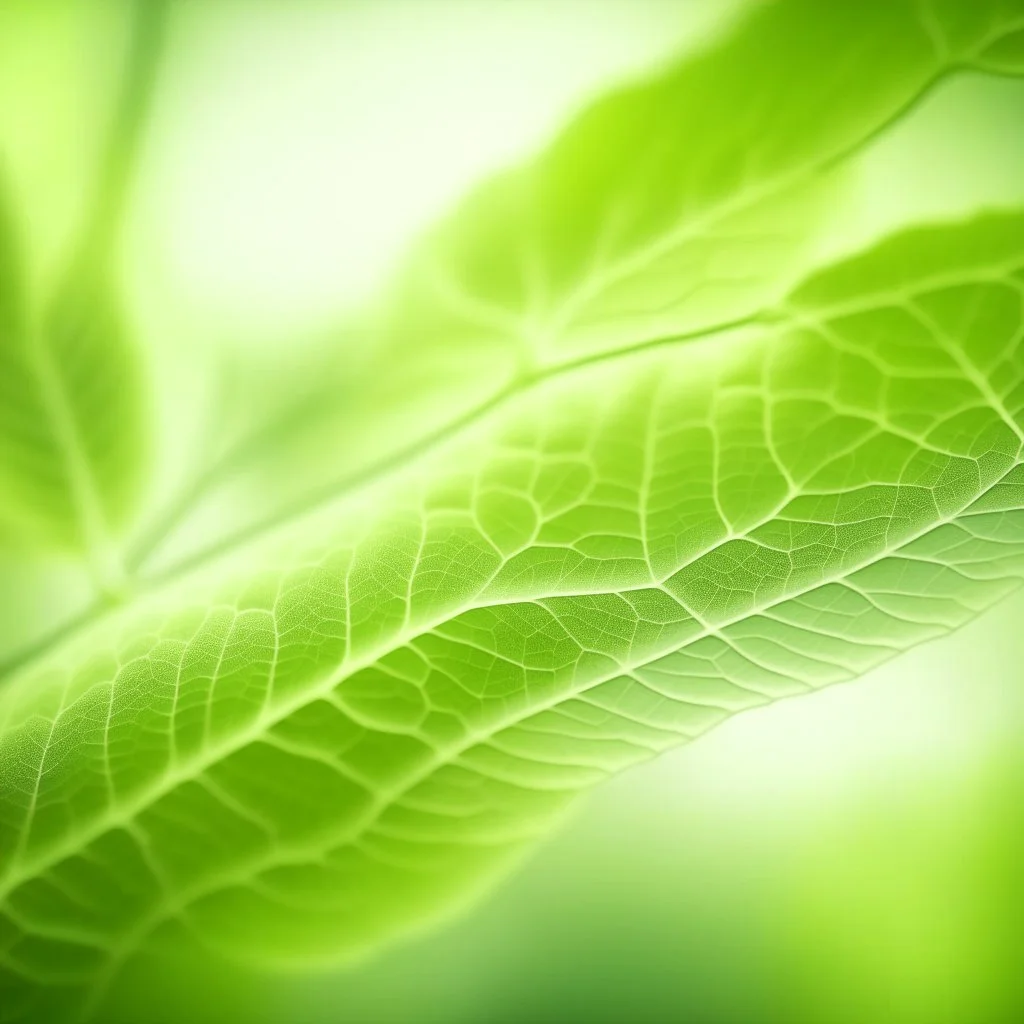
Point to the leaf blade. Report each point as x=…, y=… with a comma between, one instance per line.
x=457, y=670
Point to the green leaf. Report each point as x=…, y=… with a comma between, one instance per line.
x=594, y=508
x=70, y=414
x=73, y=399
x=702, y=176
x=357, y=733
x=675, y=204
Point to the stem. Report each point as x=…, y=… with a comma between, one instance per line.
x=354, y=481
x=318, y=497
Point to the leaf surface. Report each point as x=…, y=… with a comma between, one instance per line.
x=299, y=763
x=596, y=505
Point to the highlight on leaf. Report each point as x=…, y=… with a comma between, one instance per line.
x=625, y=455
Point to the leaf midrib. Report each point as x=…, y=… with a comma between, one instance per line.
x=281, y=853
x=445, y=433
x=318, y=688
x=371, y=476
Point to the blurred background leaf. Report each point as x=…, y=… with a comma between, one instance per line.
x=727, y=165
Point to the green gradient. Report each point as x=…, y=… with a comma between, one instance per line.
x=811, y=861
x=702, y=403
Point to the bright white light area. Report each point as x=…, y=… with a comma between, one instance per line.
x=298, y=147
x=931, y=713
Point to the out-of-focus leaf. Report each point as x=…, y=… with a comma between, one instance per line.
x=71, y=420
x=670, y=206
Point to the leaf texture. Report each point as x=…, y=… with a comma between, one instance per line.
x=616, y=560
x=626, y=464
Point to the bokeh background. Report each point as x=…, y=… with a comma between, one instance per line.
x=853, y=856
